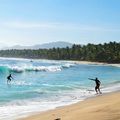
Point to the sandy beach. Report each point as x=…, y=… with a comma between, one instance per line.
x=95, y=63
x=101, y=107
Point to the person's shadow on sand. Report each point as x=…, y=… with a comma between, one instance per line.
x=57, y=119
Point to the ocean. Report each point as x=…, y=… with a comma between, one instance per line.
x=41, y=85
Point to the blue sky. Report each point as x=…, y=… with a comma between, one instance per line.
x=29, y=22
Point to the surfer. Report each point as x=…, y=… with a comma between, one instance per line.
x=9, y=78
x=98, y=83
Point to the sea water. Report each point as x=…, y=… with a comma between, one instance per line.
x=40, y=85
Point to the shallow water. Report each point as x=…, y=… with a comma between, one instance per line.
x=45, y=84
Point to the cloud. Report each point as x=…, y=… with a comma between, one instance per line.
x=19, y=32
x=29, y=25
x=57, y=26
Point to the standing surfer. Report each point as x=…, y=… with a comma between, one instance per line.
x=98, y=83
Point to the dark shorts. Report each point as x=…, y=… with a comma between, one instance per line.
x=9, y=79
x=97, y=87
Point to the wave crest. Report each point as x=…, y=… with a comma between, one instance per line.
x=23, y=68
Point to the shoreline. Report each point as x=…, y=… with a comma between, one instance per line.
x=71, y=61
x=96, y=63
x=107, y=105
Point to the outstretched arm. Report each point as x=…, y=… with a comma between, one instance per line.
x=91, y=79
x=12, y=77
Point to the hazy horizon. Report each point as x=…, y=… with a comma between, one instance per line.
x=5, y=45
x=31, y=22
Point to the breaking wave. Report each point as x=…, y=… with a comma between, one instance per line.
x=23, y=68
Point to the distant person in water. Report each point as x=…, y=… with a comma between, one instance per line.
x=9, y=78
x=97, y=87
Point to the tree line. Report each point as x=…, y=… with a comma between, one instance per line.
x=107, y=52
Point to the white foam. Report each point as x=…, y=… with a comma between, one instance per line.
x=21, y=108
x=20, y=83
x=112, y=87
x=67, y=65
x=29, y=67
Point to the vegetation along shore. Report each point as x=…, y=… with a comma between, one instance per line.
x=107, y=52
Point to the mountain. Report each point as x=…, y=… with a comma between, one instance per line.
x=59, y=44
x=53, y=44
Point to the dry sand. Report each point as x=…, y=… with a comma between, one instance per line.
x=102, y=107
x=95, y=63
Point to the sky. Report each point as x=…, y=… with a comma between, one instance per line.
x=29, y=22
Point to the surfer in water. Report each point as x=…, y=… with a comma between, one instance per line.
x=97, y=87
x=9, y=78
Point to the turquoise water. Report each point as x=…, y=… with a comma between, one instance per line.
x=40, y=85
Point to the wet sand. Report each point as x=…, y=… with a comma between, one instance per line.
x=102, y=107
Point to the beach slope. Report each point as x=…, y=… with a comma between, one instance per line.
x=102, y=107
